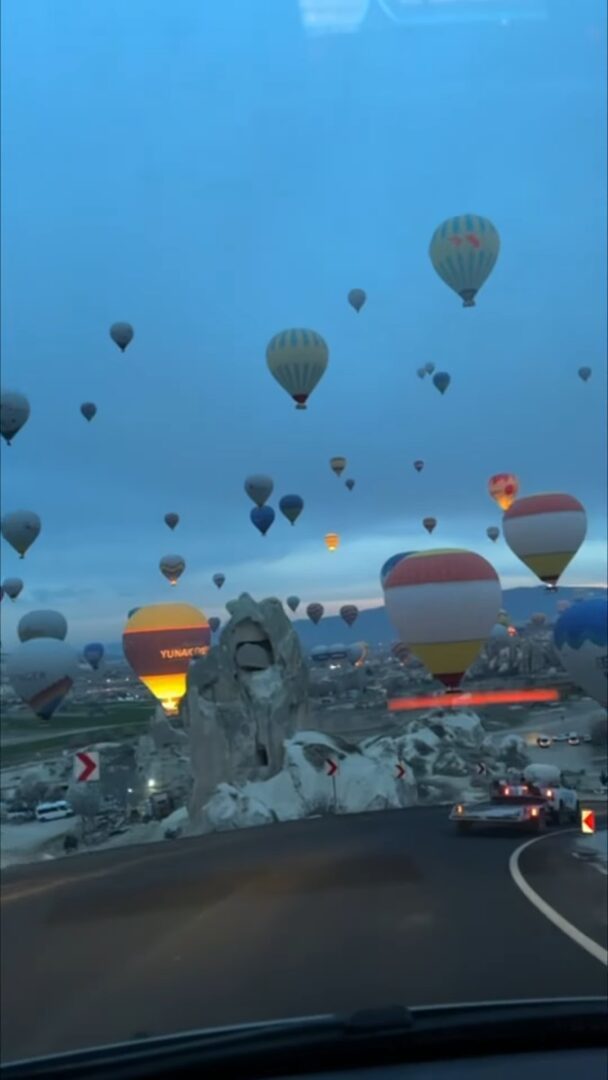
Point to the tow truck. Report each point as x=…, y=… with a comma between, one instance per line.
x=526, y=805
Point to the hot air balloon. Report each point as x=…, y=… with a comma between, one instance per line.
x=297, y=359
x=42, y=624
x=349, y=613
x=493, y=533
x=172, y=567
x=219, y=579
x=350, y=483
x=429, y=367
x=14, y=411
x=332, y=541
x=337, y=465
x=12, y=587
x=88, y=410
x=584, y=373
x=581, y=639
x=214, y=624
x=293, y=603
x=421, y=372
x=93, y=654
x=259, y=488
x=442, y=380
x=171, y=520
x=429, y=523
x=291, y=507
x=503, y=488
x=315, y=612
x=356, y=299
x=20, y=529
x=160, y=641
x=390, y=563
x=41, y=673
x=419, y=465
x=545, y=532
x=443, y=605
x=464, y=251
x=121, y=333
x=262, y=517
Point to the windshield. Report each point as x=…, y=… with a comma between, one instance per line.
x=303, y=526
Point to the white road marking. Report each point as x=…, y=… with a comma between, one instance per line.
x=550, y=913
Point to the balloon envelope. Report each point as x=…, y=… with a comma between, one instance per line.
x=214, y=624
x=12, y=587
x=463, y=251
x=219, y=579
x=262, y=517
x=390, y=563
x=291, y=507
x=259, y=488
x=293, y=603
x=160, y=641
x=20, y=529
x=88, y=410
x=493, y=533
x=421, y=372
x=172, y=567
x=419, y=465
x=357, y=298
x=429, y=523
x=315, y=612
x=350, y=483
x=42, y=624
x=349, y=613
x=332, y=541
x=14, y=411
x=171, y=520
x=337, y=465
x=584, y=373
x=429, y=368
x=581, y=639
x=41, y=673
x=121, y=333
x=297, y=359
x=545, y=532
x=93, y=654
x=443, y=604
x=503, y=488
x=442, y=380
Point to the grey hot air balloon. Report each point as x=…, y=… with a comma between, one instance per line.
x=121, y=333
x=584, y=374
x=171, y=520
x=350, y=483
x=219, y=579
x=20, y=529
x=421, y=372
x=493, y=533
x=429, y=368
x=442, y=380
x=14, y=411
x=293, y=603
x=88, y=410
x=41, y=673
x=357, y=298
x=259, y=488
x=172, y=567
x=42, y=624
x=12, y=587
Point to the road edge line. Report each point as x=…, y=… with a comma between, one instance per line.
x=571, y=931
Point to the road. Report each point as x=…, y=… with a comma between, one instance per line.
x=327, y=914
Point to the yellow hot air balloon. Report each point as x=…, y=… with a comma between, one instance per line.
x=159, y=642
x=297, y=359
x=503, y=488
x=332, y=541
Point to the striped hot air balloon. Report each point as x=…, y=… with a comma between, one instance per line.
x=159, y=642
x=581, y=638
x=503, y=488
x=349, y=613
x=41, y=673
x=545, y=532
x=297, y=359
x=443, y=604
x=315, y=612
x=464, y=251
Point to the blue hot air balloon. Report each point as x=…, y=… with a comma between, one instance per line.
x=388, y=565
x=581, y=639
x=262, y=517
x=93, y=654
x=291, y=507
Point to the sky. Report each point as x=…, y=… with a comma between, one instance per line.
x=214, y=171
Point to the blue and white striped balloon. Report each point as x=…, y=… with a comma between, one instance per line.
x=297, y=359
x=464, y=251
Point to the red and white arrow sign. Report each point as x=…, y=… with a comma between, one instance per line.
x=588, y=821
x=86, y=765
x=332, y=767
x=401, y=770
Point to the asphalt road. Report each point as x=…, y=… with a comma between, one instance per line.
x=328, y=914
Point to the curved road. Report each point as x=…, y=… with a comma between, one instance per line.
x=313, y=916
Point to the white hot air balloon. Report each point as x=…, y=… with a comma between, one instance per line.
x=297, y=359
x=14, y=411
x=545, y=532
x=42, y=624
x=20, y=529
x=12, y=587
x=41, y=673
x=464, y=251
x=259, y=488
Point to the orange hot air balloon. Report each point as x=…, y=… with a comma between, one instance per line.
x=160, y=641
x=503, y=488
x=332, y=541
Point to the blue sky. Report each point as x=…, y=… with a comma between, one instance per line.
x=214, y=172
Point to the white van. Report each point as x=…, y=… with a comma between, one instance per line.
x=52, y=811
